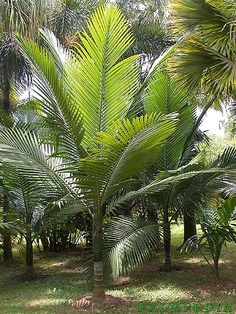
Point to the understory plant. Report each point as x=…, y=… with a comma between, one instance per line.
x=218, y=228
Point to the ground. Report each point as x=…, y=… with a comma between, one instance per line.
x=62, y=282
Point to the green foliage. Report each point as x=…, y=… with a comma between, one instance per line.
x=84, y=100
x=128, y=244
x=207, y=58
x=103, y=84
x=68, y=17
x=218, y=228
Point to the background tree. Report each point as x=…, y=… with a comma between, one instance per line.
x=207, y=57
x=180, y=153
x=204, y=62
x=23, y=17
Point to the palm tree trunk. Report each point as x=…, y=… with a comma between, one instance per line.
x=216, y=257
x=29, y=251
x=216, y=266
x=7, y=247
x=167, y=240
x=29, y=247
x=190, y=229
x=98, y=289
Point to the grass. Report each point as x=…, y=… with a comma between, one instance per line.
x=62, y=281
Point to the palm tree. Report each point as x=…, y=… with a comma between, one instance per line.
x=207, y=57
x=218, y=229
x=180, y=155
x=29, y=202
x=16, y=16
x=25, y=17
x=84, y=104
x=86, y=146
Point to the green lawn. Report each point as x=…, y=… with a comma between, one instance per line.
x=62, y=281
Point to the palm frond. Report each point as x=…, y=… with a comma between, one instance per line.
x=207, y=58
x=126, y=149
x=164, y=96
x=58, y=103
x=158, y=186
x=128, y=244
x=24, y=150
x=103, y=84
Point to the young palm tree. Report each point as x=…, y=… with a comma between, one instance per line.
x=179, y=155
x=28, y=202
x=218, y=228
x=83, y=106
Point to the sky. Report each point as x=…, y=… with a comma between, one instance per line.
x=213, y=122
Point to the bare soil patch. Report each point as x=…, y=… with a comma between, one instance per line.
x=89, y=303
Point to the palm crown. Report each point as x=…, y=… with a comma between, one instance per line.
x=208, y=54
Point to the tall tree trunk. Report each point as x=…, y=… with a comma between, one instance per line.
x=7, y=245
x=29, y=246
x=190, y=229
x=98, y=289
x=216, y=267
x=29, y=251
x=167, y=240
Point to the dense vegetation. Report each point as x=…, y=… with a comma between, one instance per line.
x=105, y=156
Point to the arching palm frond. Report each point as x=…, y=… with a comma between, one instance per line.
x=207, y=58
x=201, y=65
x=128, y=243
x=59, y=107
x=136, y=106
x=24, y=150
x=126, y=149
x=205, y=186
x=164, y=96
x=103, y=84
x=6, y=226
